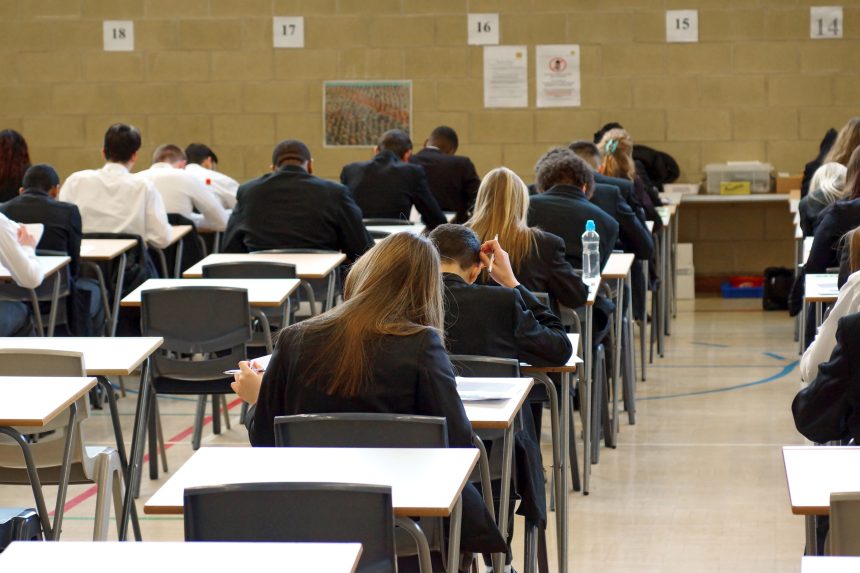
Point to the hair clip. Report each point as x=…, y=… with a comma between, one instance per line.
x=611, y=146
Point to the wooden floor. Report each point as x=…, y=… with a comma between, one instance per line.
x=696, y=485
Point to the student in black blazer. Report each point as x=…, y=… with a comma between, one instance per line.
x=37, y=203
x=292, y=208
x=633, y=236
x=381, y=351
x=452, y=178
x=387, y=186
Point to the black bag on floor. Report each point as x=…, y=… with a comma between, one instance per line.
x=777, y=287
x=18, y=524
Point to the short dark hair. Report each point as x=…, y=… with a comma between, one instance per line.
x=396, y=141
x=121, y=142
x=40, y=176
x=561, y=166
x=457, y=244
x=199, y=152
x=445, y=137
x=168, y=153
x=290, y=150
x=598, y=135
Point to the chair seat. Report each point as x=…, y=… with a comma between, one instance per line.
x=167, y=385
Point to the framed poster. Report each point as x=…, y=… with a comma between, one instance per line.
x=356, y=113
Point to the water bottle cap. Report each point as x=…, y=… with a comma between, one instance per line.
x=589, y=225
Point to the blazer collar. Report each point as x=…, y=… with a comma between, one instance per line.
x=450, y=279
x=567, y=191
x=386, y=157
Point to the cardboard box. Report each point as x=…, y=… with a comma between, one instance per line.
x=788, y=183
x=684, y=256
x=685, y=283
x=682, y=188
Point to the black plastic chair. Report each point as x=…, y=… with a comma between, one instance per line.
x=298, y=512
x=386, y=221
x=315, y=289
x=205, y=331
x=370, y=430
x=42, y=295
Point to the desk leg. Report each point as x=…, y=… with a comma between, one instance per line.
x=802, y=337
x=675, y=226
x=55, y=299
x=819, y=314
x=643, y=324
x=120, y=276
x=33, y=474
x=216, y=242
x=562, y=499
x=454, y=523
x=177, y=263
x=63, y=482
x=585, y=403
x=631, y=348
x=811, y=537
x=136, y=457
x=664, y=290
x=505, y=495
x=329, y=297
x=414, y=530
x=37, y=314
x=616, y=356
x=120, y=446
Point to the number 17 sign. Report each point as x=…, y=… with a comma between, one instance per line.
x=682, y=25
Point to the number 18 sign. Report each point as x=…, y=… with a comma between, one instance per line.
x=682, y=25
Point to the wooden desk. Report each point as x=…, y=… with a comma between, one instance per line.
x=829, y=564
x=807, y=247
x=617, y=270
x=650, y=226
x=618, y=266
x=23, y=407
x=261, y=292
x=159, y=555
x=105, y=250
x=424, y=482
x=178, y=232
x=51, y=265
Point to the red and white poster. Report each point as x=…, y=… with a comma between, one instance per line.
x=557, y=76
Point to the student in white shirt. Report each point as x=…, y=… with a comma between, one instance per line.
x=18, y=255
x=111, y=199
x=847, y=303
x=201, y=163
x=181, y=192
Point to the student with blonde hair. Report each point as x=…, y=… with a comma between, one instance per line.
x=380, y=351
x=537, y=257
x=826, y=187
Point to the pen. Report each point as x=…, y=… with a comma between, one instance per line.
x=493, y=255
x=237, y=371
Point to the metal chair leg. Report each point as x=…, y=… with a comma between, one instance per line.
x=198, y=422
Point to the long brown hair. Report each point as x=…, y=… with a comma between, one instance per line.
x=851, y=190
x=14, y=156
x=501, y=207
x=395, y=288
x=616, y=145
x=853, y=240
x=846, y=142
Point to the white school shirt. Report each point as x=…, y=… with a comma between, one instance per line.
x=112, y=200
x=19, y=260
x=182, y=193
x=821, y=348
x=223, y=186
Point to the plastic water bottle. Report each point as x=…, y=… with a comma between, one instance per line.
x=590, y=252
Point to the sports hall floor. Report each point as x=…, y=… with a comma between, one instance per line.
x=696, y=485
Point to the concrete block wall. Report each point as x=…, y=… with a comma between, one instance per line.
x=754, y=87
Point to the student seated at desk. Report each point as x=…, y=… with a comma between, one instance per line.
x=381, y=351
x=37, y=203
x=17, y=254
x=202, y=163
x=827, y=186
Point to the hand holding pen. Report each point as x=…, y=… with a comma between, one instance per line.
x=498, y=264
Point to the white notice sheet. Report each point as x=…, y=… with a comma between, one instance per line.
x=557, y=76
x=506, y=72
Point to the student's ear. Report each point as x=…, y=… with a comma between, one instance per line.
x=474, y=272
x=426, y=141
x=133, y=159
x=104, y=155
x=54, y=192
x=376, y=150
x=406, y=156
x=310, y=167
x=273, y=167
x=20, y=190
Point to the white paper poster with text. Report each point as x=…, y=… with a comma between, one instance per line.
x=557, y=76
x=506, y=76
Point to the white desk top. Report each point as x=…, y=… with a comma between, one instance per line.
x=617, y=266
x=49, y=264
x=496, y=414
x=821, y=288
x=569, y=366
x=793, y=205
x=177, y=232
x=666, y=212
x=751, y=198
x=415, y=216
x=261, y=292
x=814, y=472
x=829, y=564
x=308, y=265
x=118, y=356
x=35, y=401
x=593, y=287
x=807, y=246
x=798, y=232
x=111, y=556
x=415, y=229
x=105, y=249
x=650, y=226
x=424, y=482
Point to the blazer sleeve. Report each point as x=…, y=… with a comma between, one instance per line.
x=437, y=391
x=353, y=239
x=424, y=200
x=822, y=409
x=539, y=335
x=260, y=420
x=471, y=182
x=234, y=235
x=75, y=236
x=822, y=252
x=634, y=235
x=564, y=284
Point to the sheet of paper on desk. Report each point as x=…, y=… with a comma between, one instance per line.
x=475, y=391
x=35, y=229
x=263, y=361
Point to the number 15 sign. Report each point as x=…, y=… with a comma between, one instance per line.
x=682, y=25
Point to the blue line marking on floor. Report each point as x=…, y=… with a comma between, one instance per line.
x=715, y=345
x=783, y=373
x=774, y=355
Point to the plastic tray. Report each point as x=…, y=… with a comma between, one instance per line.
x=741, y=292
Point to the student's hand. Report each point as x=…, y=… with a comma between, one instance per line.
x=502, y=272
x=247, y=383
x=25, y=239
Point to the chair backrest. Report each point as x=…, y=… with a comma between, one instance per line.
x=212, y=321
x=485, y=366
x=384, y=221
x=360, y=430
x=250, y=270
x=845, y=523
x=308, y=512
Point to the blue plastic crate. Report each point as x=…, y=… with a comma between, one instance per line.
x=741, y=292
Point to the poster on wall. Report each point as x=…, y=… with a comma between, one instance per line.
x=356, y=113
x=557, y=76
x=506, y=72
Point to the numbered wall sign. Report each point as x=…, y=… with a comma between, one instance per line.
x=483, y=29
x=682, y=25
x=118, y=36
x=825, y=22
x=289, y=32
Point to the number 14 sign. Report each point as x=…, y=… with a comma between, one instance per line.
x=825, y=22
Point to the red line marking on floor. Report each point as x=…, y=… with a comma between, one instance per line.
x=79, y=499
